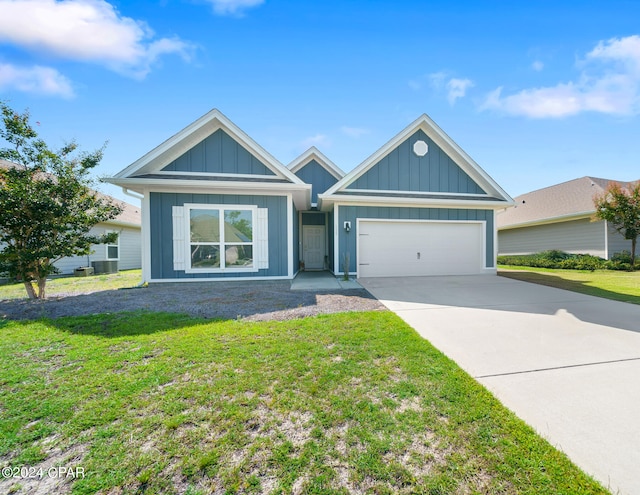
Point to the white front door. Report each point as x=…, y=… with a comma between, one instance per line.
x=313, y=251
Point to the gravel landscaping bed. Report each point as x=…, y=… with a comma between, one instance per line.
x=265, y=300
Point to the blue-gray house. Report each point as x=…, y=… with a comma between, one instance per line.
x=217, y=206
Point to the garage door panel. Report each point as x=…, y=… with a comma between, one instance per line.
x=396, y=248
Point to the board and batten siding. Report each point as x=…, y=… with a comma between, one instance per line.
x=347, y=240
x=402, y=170
x=576, y=236
x=218, y=154
x=320, y=179
x=129, y=250
x=161, y=217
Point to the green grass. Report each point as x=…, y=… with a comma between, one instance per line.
x=616, y=285
x=336, y=404
x=76, y=285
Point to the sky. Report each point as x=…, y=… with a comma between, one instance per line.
x=536, y=92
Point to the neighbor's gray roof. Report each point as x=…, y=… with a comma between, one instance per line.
x=574, y=197
x=130, y=214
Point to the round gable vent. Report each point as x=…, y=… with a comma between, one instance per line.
x=420, y=148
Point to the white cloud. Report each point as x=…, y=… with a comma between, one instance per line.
x=537, y=65
x=233, y=7
x=609, y=82
x=37, y=80
x=354, y=132
x=457, y=88
x=315, y=140
x=87, y=31
x=442, y=82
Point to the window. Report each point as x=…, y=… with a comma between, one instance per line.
x=221, y=238
x=113, y=250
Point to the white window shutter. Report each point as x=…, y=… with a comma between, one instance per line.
x=262, y=239
x=179, y=241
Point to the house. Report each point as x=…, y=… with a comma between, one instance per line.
x=559, y=217
x=127, y=251
x=218, y=206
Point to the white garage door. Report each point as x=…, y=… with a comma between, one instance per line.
x=401, y=249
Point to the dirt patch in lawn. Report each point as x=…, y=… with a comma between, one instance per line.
x=257, y=301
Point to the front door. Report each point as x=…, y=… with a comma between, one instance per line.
x=313, y=251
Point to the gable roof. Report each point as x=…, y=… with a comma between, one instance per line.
x=130, y=214
x=146, y=172
x=314, y=153
x=196, y=132
x=564, y=201
x=495, y=195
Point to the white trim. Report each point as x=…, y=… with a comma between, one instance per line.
x=545, y=221
x=117, y=244
x=606, y=240
x=219, y=279
x=411, y=202
x=299, y=238
x=441, y=139
x=196, y=132
x=146, y=238
x=301, y=192
x=417, y=193
x=213, y=175
x=483, y=223
x=221, y=208
x=314, y=154
x=336, y=241
x=495, y=240
x=290, y=268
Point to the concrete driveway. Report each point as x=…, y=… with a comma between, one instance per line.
x=566, y=363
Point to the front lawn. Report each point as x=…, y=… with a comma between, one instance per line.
x=76, y=285
x=616, y=285
x=337, y=404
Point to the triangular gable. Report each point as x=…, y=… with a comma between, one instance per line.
x=219, y=153
x=396, y=169
x=316, y=169
x=193, y=138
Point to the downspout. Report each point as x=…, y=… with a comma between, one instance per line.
x=139, y=198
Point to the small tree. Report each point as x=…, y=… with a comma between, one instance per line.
x=620, y=207
x=47, y=206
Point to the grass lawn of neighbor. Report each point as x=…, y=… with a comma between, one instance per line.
x=76, y=285
x=337, y=404
x=610, y=284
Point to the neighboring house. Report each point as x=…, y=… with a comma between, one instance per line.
x=559, y=217
x=127, y=251
x=217, y=206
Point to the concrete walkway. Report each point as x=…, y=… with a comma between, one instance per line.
x=322, y=281
x=566, y=363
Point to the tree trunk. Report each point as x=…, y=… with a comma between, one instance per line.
x=30, y=290
x=42, y=282
x=633, y=252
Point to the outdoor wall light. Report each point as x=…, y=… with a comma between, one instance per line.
x=347, y=226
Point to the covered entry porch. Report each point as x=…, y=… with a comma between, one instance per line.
x=315, y=241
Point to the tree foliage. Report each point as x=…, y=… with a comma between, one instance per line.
x=620, y=207
x=47, y=205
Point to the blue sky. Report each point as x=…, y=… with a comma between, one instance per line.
x=536, y=92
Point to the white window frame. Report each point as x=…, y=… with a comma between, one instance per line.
x=117, y=245
x=221, y=209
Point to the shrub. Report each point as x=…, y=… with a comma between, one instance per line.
x=555, y=259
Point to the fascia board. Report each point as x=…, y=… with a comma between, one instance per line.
x=547, y=221
x=301, y=192
x=431, y=129
x=194, y=133
x=326, y=200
